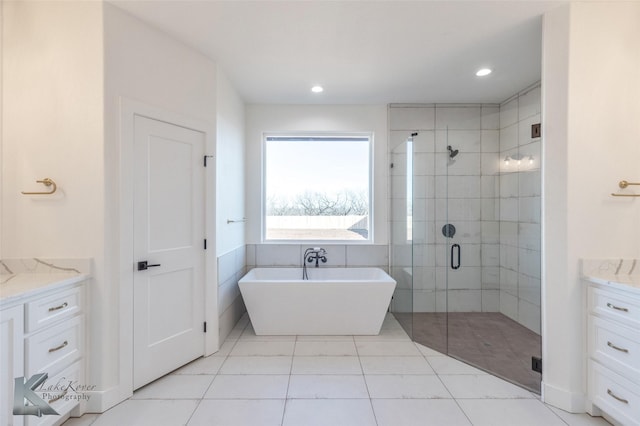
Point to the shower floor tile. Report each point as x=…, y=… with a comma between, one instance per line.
x=488, y=340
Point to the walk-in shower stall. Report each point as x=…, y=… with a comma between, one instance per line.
x=465, y=230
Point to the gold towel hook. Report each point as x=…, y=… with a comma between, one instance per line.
x=47, y=182
x=623, y=184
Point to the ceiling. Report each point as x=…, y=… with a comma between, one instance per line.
x=362, y=52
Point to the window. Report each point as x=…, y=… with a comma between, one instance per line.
x=317, y=187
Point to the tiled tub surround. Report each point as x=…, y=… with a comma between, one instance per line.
x=317, y=301
x=462, y=192
x=612, y=322
x=519, y=211
x=384, y=380
x=338, y=255
x=231, y=267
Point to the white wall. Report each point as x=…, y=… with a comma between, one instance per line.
x=591, y=105
x=230, y=196
x=230, y=157
x=70, y=69
x=149, y=72
x=52, y=127
x=3, y=27
x=345, y=118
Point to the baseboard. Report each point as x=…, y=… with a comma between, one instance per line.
x=572, y=402
x=101, y=401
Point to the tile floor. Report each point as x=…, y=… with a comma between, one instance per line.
x=384, y=380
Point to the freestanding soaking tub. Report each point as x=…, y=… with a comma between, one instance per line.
x=334, y=301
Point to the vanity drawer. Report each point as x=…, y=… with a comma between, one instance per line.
x=52, y=349
x=616, y=346
x=63, y=400
x=617, y=306
x=614, y=394
x=47, y=310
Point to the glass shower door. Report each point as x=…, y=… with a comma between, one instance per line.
x=477, y=246
x=461, y=233
x=465, y=248
x=401, y=172
x=429, y=275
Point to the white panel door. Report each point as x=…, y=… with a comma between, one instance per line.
x=169, y=236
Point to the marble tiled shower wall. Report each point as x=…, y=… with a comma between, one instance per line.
x=520, y=207
x=494, y=205
x=462, y=191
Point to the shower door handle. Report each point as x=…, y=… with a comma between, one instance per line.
x=454, y=248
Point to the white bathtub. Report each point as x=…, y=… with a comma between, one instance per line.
x=334, y=301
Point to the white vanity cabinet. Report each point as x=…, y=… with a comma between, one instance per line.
x=11, y=360
x=44, y=332
x=613, y=336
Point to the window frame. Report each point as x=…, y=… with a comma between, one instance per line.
x=320, y=134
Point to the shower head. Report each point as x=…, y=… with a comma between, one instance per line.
x=452, y=152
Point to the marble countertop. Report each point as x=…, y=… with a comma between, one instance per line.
x=14, y=288
x=627, y=282
x=623, y=274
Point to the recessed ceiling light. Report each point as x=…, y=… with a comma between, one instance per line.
x=317, y=89
x=483, y=71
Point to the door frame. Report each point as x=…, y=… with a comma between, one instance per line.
x=128, y=110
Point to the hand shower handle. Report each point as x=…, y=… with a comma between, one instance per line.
x=454, y=248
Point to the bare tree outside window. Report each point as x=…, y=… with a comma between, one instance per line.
x=317, y=188
x=310, y=203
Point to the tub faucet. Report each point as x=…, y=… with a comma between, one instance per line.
x=311, y=254
x=317, y=254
